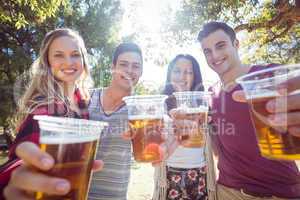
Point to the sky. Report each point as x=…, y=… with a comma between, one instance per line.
x=144, y=17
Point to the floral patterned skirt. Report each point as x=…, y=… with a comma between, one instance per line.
x=186, y=184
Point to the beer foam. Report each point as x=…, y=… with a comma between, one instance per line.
x=199, y=109
x=262, y=95
x=57, y=139
x=148, y=117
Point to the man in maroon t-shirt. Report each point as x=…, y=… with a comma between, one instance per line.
x=243, y=172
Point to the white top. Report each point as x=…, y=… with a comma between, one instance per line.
x=187, y=158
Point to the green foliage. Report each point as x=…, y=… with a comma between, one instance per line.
x=194, y=13
x=98, y=22
x=143, y=88
x=21, y=13
x=282, y=50
x=258, y=46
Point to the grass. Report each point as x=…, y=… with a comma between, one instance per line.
x=141, y=182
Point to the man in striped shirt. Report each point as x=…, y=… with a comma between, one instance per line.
x=107, y=105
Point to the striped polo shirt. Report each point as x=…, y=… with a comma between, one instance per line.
x=111, y=182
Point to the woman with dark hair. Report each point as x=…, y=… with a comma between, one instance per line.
x=175, y=83
x=183, y=174
x=196, y=84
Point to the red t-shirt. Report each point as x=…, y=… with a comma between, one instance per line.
x=239, y=161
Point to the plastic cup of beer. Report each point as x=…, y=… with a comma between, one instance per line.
x=73, y=145
x=146, y=123
x=274, y=141
x=196, y=105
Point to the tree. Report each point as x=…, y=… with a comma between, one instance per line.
x=272, y=26
x=99, y=24
x=147, y=88
x=21, y=13
x=97, y=21
x=286, y=15
x=282, y=50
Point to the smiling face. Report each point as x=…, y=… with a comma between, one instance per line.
x=65, y=59
x=182, y=75
x=220, y=52
x=127, y=70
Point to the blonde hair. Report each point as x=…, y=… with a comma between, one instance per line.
x=44, y=89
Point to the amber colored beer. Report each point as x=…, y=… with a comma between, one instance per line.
x=73, y=161
x=200, y=116
x=148, y=137
x=273, y=142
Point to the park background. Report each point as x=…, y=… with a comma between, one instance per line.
x=268, y=30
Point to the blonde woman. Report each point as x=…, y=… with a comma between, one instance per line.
x=60, y=79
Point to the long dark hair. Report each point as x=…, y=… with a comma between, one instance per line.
x=197, y=82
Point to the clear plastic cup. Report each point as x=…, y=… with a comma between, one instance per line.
x=146, y=122
x=73, y=145
x=196, y=105
x=274, y=141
